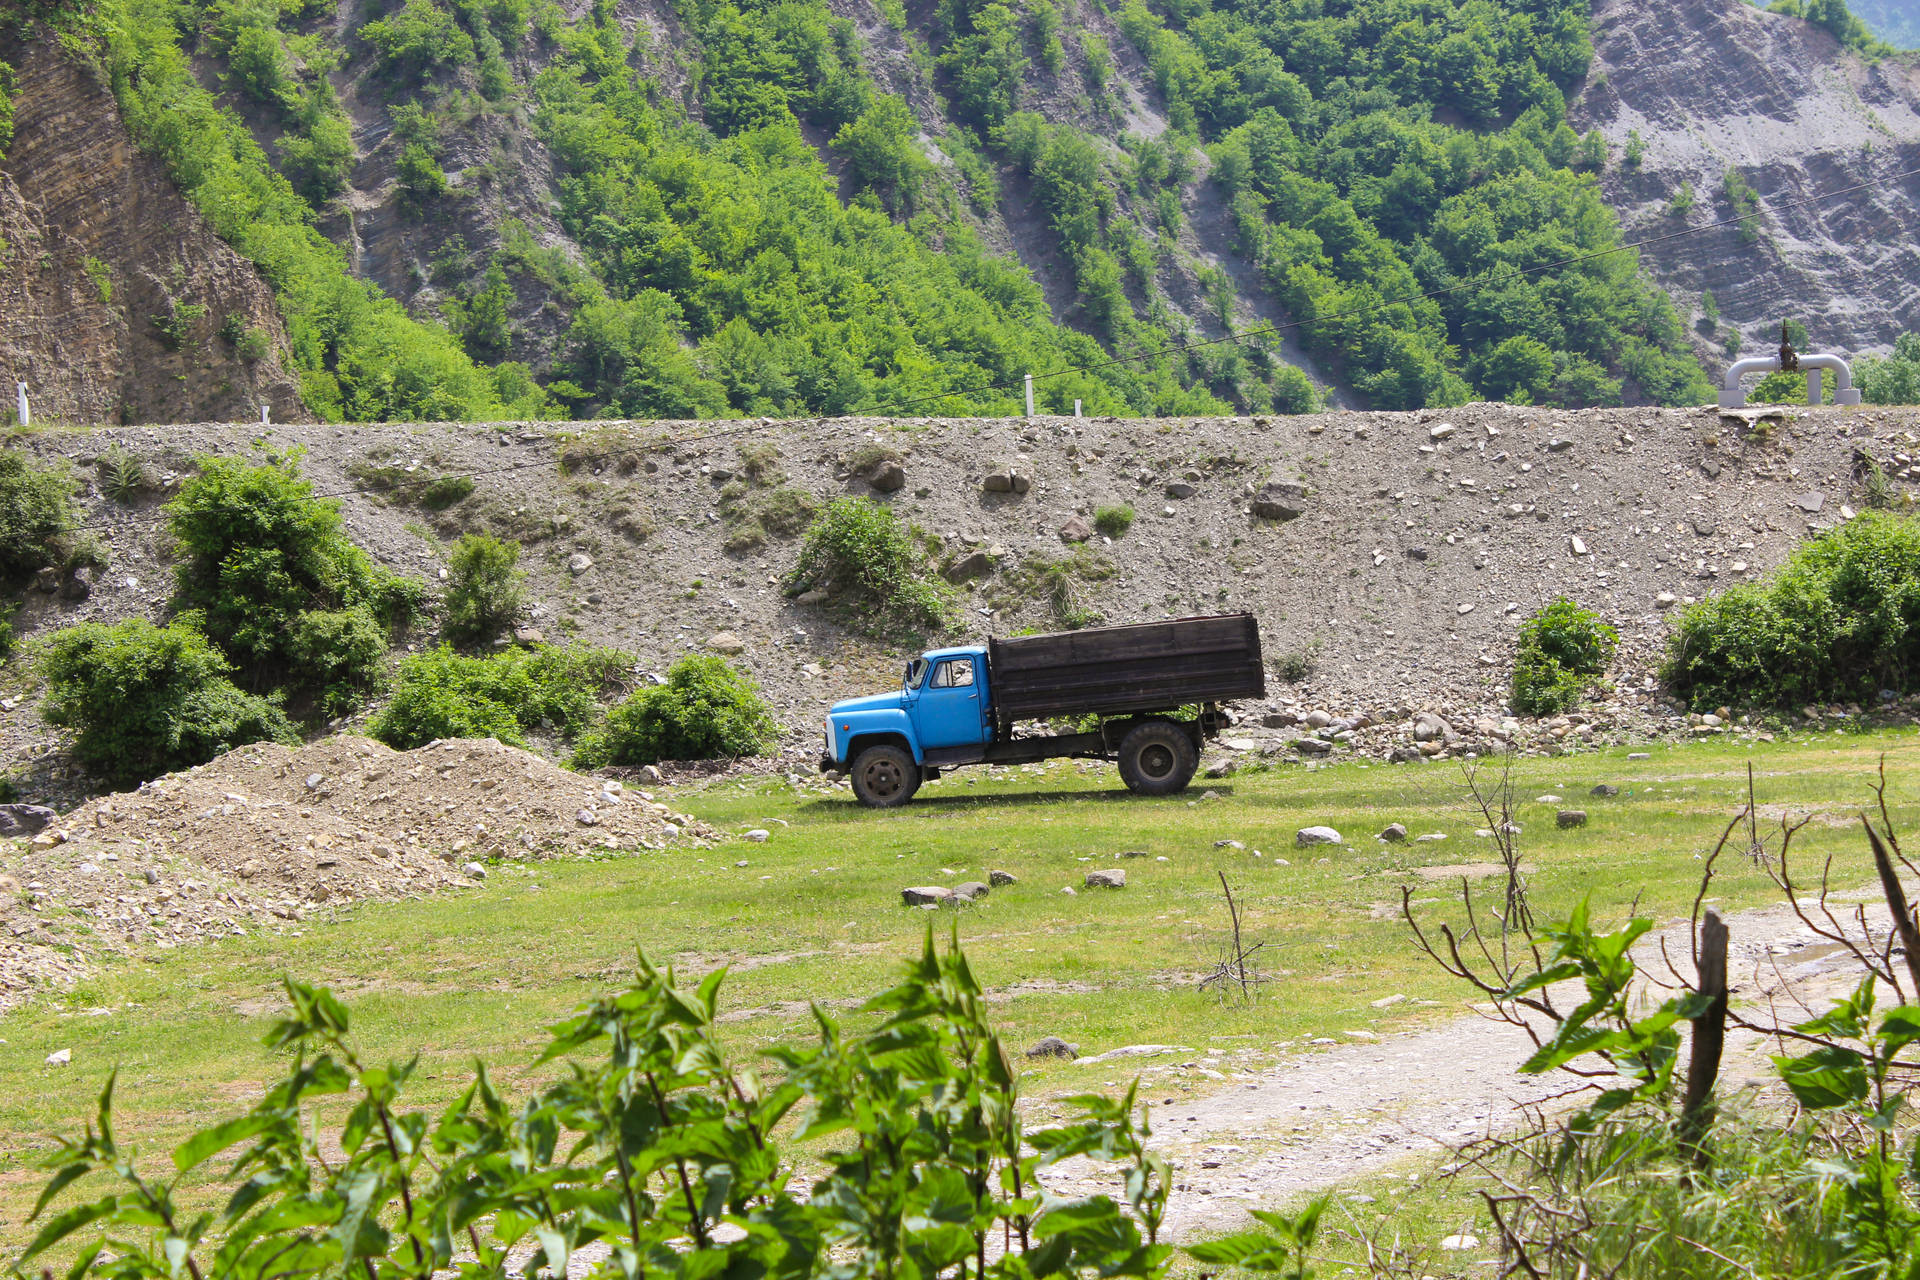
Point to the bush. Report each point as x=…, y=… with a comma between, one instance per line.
x=483, y=587
x=1562, y=648
x=1113, y=522
x=147, y=700
x=36, y=514
x=857, y=546
x=443, y=694
x=259, y=554
x=1838, y=622
x=123, y=476
x=706, y=710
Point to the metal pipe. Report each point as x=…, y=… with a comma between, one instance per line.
x=1844, y=392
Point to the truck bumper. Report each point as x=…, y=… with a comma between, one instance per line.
x=829, y=765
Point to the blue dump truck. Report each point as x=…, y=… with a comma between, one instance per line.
x=1146, y=696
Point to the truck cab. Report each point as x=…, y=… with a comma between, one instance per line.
x=942, y=714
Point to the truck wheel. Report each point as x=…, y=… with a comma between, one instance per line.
x=885, y=777
x=1157, y=758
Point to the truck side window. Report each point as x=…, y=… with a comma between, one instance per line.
x=957, y=674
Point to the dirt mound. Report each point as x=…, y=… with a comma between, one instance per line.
x=266, y=835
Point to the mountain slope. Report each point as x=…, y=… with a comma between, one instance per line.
x=1716, y=87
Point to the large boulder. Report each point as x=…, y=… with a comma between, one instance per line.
x=24, y=819
x=1284, y=500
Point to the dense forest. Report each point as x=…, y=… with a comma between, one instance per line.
x=753, y=219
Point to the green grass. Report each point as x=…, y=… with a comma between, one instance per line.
x=815, y=914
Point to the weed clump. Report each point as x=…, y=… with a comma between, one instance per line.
x=859, y=548
x=706, y=710
x=1061, y=584
x=1562, y=649
x=1838, y=622
x=123, y=476
x=484, y=591
x=147, y=700
x=1113, y=521
x=443, y=694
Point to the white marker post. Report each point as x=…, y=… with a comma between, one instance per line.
x=1029, y=395
x=263, y=415
x=26, y=413
x=1076, y=408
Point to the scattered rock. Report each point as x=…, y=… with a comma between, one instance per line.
x=888, y=477
x=1313, y=746
x=77, y=586
x=813, y=596
x=976, y=565
x=1284, y=501
x=970, y=890
x=578, y=563
x=60, y=1057
x=1604, y=789
x=758, y=835
x=1387, y=1002
x=1394, y=832
x=529, y=636
x=726, y=642
x=475, y=870
x=1134, y=1051
x=1106, y=879
x=1810, y=503
x=998, y=482
x=1180, y=489
x=1076, y=530
x=24, y=819
x=1454, y=1244
x=1665, y=600
x=1571, y=818
x=1228, y=844
x=929, y=895
x=1053, y=1047
x=999, y=878
x=1440, y=432
x=1307, y=837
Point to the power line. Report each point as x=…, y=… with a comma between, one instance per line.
x=1481, y=282
x=1370, y=308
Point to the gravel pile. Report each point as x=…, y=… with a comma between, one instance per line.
x=266, y=835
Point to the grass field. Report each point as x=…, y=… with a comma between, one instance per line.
x=815, y=914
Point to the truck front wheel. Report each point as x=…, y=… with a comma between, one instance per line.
x=885, y=777
x=1157, y=758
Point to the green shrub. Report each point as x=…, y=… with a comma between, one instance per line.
x=259, y=554
x=446, y=491
x=1113, y=522
x=706, y=710
x=858, y=547
x=147, y=700
x=443, y=694
x=36, y=514
x=1838, y=622
x=1562, y=648
x=483, y=587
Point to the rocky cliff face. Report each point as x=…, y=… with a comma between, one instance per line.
x=1714, y=86
x=115, y=290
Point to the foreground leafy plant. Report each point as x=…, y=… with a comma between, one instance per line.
x=650, y=1144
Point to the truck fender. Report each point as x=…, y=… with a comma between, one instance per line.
x=865, y=728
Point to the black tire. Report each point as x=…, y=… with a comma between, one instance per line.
x=885, y=777
x=1157, y=758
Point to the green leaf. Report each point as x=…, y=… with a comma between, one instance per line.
x=207, y=1143
x=1828, y=1077
x=69, y=1222
x=59, y=1183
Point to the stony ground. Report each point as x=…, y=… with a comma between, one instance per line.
x=266, y=837
x=1423, y=540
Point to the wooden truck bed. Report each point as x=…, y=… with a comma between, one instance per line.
x=1151, y=666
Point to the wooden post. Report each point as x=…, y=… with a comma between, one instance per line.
x=1709, y=1035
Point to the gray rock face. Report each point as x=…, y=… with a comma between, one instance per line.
x=24, y=819
x=888, y=477
x=1313, y=746
x=1604, y=789
x=977, y=565
x=970, y=890
x=1307, y=837
x=999, y=878
x=578, y=563
x=1180, y=489
x=1076, y=530
x=928, y=895
x=77, y=585
x=1053, y=1047
x=1106, y=879
x=998, y=482
x=1394, y=833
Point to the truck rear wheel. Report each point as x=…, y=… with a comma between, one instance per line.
x=1157, y=758
x=885, y=777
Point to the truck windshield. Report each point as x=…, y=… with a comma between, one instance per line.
x=916, y=671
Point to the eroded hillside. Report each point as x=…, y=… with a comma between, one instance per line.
x=1422, y=540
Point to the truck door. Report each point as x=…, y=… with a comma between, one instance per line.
x=947, y=713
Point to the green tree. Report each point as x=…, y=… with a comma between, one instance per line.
x=882, y=153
